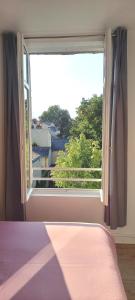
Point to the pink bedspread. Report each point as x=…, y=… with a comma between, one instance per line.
x=40, y=261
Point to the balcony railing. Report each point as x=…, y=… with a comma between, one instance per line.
x=67, y=179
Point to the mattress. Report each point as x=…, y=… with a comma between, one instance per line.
x=58, y=261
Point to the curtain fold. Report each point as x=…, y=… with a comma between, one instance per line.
x=116, y=210
x=13, y=205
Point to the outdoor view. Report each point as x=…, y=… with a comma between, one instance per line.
x=67, y=120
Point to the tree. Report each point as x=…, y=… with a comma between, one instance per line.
x=60, y=117
x=79, y=153
x=89, y=119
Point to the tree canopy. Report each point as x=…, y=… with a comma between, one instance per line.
x=79, y=153
x=89, y=119
x=60, y=117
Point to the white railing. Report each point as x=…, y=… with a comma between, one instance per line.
x=67, y=178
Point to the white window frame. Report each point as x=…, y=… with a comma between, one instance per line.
x=27, y=86
x=66, y=45
x=21, y=46
x=106, y=115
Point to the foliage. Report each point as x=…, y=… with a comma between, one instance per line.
x=34, y=144
x=79, y=153
x=89, y=119
x=60, y=117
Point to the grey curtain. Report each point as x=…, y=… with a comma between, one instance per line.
x=13, y=206
x=116, y=211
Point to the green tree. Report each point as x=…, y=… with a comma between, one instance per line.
x=79, y=153
x=89, y=119
x=60, y=117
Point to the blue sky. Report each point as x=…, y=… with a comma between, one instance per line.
x=64, y=80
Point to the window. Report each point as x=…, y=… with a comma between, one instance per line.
x=27, y=117
x=66, y=144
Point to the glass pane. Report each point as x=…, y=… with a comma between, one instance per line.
x=27, y=136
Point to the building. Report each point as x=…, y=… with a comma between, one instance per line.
x=46, y=143
x=58, y=144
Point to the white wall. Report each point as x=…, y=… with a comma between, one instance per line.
x=60, y=208
x=41, y=137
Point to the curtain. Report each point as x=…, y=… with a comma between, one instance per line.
x=13, y=205
x=116, y=209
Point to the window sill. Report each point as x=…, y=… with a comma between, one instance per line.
x=67, y=193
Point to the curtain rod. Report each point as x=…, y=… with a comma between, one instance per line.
x=64, y=36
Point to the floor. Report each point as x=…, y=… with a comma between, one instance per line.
x=126, y=259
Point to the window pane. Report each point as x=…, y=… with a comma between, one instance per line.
x=27, y=136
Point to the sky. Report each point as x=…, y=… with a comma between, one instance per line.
x=64, y=80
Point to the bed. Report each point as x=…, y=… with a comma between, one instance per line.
x=58, y=261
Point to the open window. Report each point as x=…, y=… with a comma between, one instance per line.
x=49, y=162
